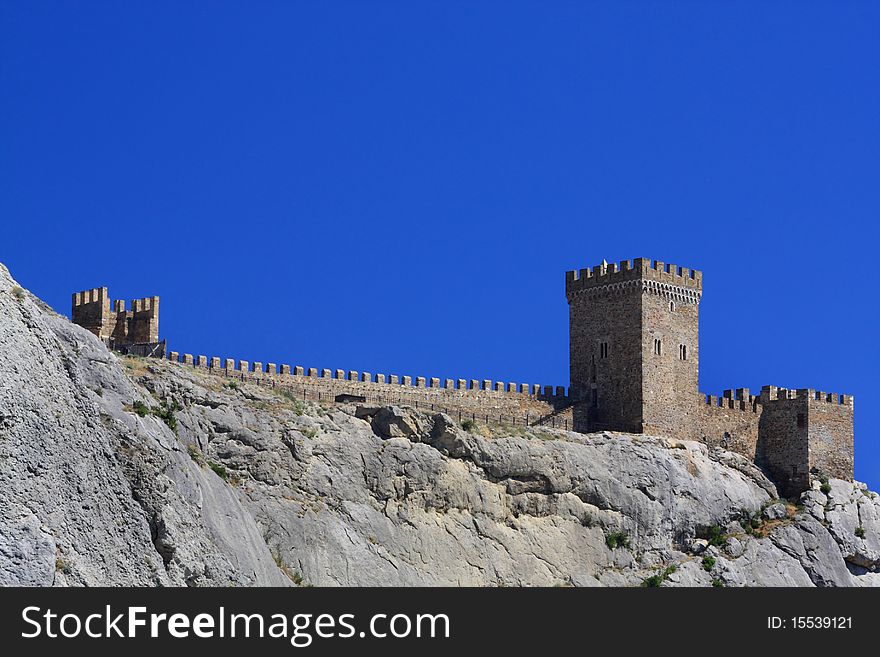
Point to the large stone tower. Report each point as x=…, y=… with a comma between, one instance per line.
x=634, y=350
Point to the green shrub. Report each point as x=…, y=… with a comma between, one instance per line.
x=825, y=488
x=232, y=385
x=140, y=408
x=219, y=470
x=468, y=425
x=615, y=540
x=708, y=563
x=657, y=579
x=860, y=531
x=18, y=293
x=166, y=414
x=718, y=583
x=716, y=536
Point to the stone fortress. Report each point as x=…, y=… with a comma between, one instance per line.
x=634, y=365
x=134, y=331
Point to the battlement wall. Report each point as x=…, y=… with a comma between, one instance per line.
x=143, y=326
x=118, y=327
x=525, y=403
x=808, y=431
x=148, y=306
x=831, y=431
x=630, y=270
x=91, y=310
x=731, y=421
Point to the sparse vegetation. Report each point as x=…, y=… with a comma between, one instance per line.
x=615, y=540
x=658, y=578
x=468, y=425
x=715, y=535
x=299, y=406
x=232, y=385
x=751, y=523
x=860, y=531
x=292, y=575
x=63, y=566
x=18, y=293
x=826, y=486
x=718, y=583
x=196, y=455
x=309, y=432
x=708, y=563
x=219, y=469
x=140, y=408
x=165, y=412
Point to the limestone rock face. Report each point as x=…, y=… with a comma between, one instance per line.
x=92, y=494
x=119, y=470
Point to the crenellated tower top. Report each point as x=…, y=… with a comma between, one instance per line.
x=657, y=277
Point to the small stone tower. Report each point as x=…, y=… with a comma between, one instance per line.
x=634, y=349
x=134, y=331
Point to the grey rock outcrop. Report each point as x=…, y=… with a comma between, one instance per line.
x=122, y=470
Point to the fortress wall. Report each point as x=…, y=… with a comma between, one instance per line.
x=783, y=446
x=830, y=432
x=144, y=326
x=91, y=309
x=479, y=399
x=94, y=310
x=804, y=431
x=731, y=422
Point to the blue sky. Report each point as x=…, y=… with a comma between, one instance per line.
x=399, y=186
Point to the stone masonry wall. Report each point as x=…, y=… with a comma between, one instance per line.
x=605, y=346
x=670, y=322
x=783, y=448
x=482, y=400
x=731, y=422
x=91, y=309
x=830, y=424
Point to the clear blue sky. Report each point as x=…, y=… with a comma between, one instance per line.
x=399, y=186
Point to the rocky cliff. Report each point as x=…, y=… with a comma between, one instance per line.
x=126, y=471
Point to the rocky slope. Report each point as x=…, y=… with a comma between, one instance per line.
x=126, y=471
